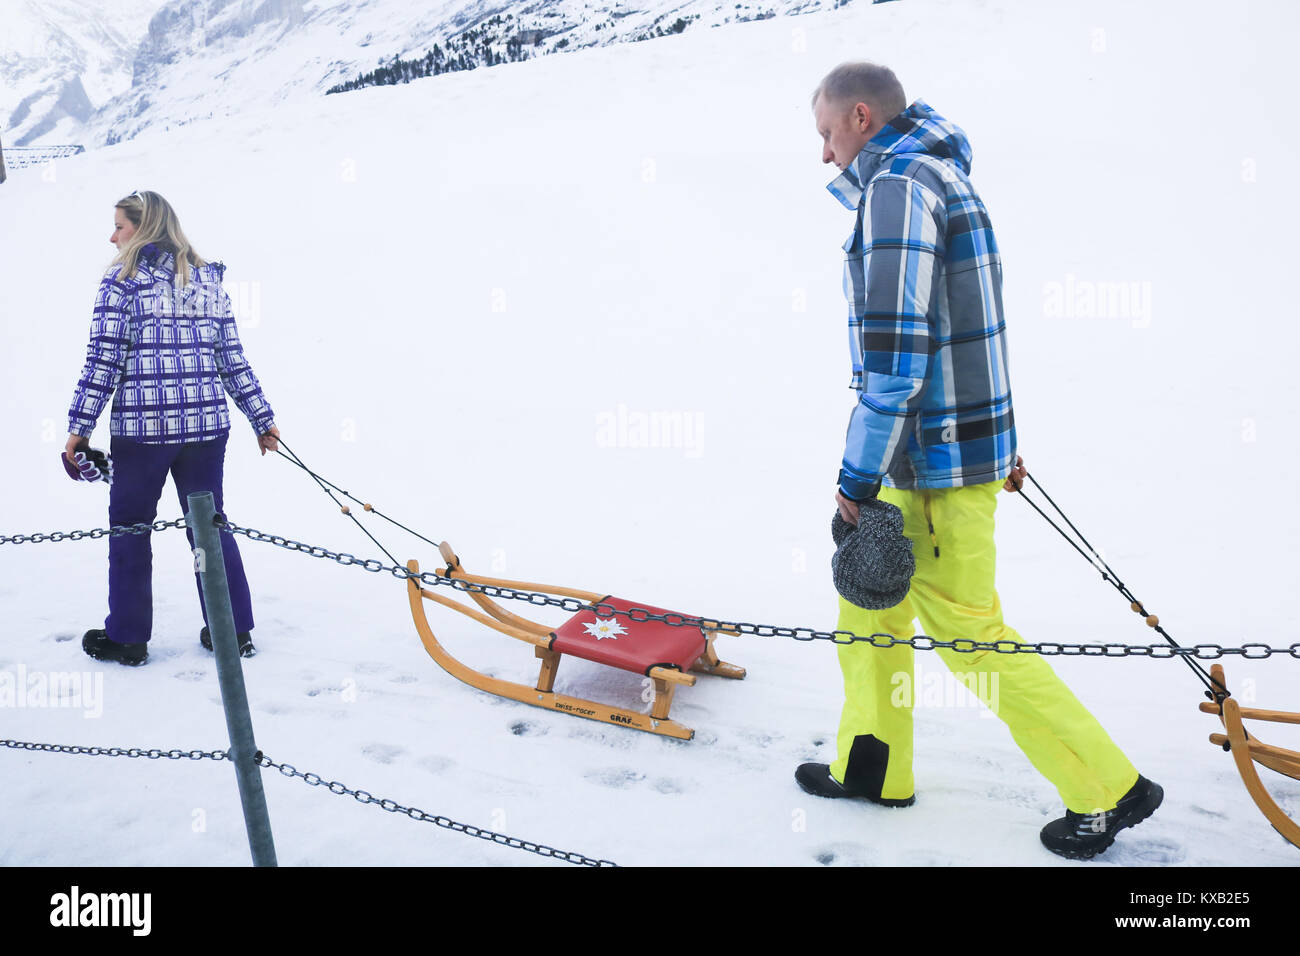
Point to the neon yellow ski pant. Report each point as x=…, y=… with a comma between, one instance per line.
x=953, y=596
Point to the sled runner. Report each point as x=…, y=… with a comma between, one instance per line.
x=1247, y=751
x=663, y=652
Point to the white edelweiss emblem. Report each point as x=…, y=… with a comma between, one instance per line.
x=602, y=628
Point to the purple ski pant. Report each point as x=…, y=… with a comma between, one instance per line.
x=139, y=472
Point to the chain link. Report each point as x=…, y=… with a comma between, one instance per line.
x=1253, y=651
x=392, y=806
x=93, y=534
x=152, y=753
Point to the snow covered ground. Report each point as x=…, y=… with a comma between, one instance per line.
x=451, y=289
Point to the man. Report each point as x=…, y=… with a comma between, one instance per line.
x=933, y=434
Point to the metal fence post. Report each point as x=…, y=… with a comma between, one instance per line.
x=211, y=565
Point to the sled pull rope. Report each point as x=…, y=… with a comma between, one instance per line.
x=1214, y=689
x=342, y=507
x=364, y=504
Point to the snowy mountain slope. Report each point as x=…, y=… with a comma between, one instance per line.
x=204, y=58
x=60, y=60
x=454, y=291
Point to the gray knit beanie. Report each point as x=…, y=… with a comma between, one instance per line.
x=873, y=564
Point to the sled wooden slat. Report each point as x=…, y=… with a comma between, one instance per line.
x=665, y=677
x=1247, y=751
x=1275, y=758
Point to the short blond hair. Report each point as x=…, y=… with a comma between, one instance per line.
x=861, y=82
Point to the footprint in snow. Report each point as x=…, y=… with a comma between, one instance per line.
x=528, y=728
x=64, y=638
x=382, y=753
x=371, y=667
x=760, y=738
x=615, y=778
x=403, y=679
x=665, y=785
x=1016, y=797
x=1150, y=852
x=191, y=676
x=434, y=763
x=844, y=854
x=590, y=730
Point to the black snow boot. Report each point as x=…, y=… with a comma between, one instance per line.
x=815, y=778
x=98, y=646
x=246, y=648
x=1081, y=836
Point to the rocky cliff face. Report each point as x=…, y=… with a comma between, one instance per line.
x=192, y=29
x=61, y=60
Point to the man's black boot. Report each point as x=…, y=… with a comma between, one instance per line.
x=815, y=778
x=864, y=774
x=1081, y=836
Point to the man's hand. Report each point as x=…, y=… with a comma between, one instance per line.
x=848, y=509
x=267, y=441
x=1017, y=476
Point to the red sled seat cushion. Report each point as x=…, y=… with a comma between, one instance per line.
x=627, y=643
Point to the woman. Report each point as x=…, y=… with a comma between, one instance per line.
x=163, y=337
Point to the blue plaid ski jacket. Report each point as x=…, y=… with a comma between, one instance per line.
x=923, y=279
x=170, y=352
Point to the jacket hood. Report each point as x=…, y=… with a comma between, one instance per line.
x=163, y=262
x=916, y=130
x=919, y=129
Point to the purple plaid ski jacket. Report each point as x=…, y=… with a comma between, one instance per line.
x=170, y=353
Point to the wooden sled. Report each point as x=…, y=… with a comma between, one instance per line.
x=1247, y=751
x=661, y=651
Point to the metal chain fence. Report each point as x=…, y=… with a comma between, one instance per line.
x=113, y=532
x=315, y=780
x=921, y=642
x=392, y=806
x=1251, y=651
x=152, y=753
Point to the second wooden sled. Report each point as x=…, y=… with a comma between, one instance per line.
x=665, y=653
x=1247, y=751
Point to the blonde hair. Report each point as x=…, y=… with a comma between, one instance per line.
x=155, y=221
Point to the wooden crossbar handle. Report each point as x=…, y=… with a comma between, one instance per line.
x=1258, y=748
x=1249, y=713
